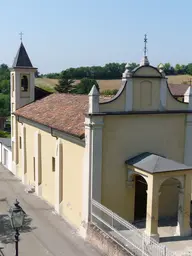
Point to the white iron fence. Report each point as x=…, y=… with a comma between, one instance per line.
x=135, y=241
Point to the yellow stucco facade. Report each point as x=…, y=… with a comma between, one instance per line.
x=72, y=167
x=127, y=136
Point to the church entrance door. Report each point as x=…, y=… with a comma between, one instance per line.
x=140, y=198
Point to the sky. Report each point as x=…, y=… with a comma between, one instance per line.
x=61, y=34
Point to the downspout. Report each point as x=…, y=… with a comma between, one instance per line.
x=52, y=134
x=90, y=171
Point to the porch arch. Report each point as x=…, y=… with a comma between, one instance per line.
x=169, y=199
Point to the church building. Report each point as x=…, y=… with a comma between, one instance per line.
x=132, y=153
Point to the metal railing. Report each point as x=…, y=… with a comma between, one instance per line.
x=128, y=236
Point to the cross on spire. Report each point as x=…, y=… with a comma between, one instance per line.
x=145, y=61
x=145, y=45
x=21, y=36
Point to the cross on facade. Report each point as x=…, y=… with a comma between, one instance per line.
x=145, y=45
x=21, y=36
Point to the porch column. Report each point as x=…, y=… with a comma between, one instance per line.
x=58, y=175
x=183, y=225
x=23, y=154
x=152, y=208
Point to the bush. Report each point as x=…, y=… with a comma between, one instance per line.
x=4, y=134
x=109, y=92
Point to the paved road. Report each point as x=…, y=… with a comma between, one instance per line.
x=44, y=233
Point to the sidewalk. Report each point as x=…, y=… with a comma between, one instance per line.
x=44, y=232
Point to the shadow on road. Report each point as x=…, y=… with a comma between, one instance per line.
x=7, y=233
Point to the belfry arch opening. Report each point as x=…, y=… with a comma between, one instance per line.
x=24, y=83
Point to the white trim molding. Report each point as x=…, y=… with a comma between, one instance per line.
x=163, y=93
x=23, y=154
x=188, y=141
x=129, y=95
x=92, y=171
x=96, y=156
x=37, y=155
x=86, y=180
x=58, y=175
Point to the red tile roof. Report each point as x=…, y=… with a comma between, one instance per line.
x=178, y=89
x=64, y=112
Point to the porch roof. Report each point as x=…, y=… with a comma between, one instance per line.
x=153, y=163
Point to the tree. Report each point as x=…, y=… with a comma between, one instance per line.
x=4, y=104
x=133, y=65
x=85, y=85
x=167, y=68
x=5, y=87
x=37, y=74
x=65, y=85
x=189, y=69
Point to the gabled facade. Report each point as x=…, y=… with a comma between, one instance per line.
x=142, y=117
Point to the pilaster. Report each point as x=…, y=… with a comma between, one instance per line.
x=86, y=180
x=188, y=141
x=129, y=95
x=23, y=154
x=37, y=154
x=58, y=175
x=14, y=141
x=163, y=93
x=96, y=157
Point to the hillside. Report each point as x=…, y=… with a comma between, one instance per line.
x=48, y=84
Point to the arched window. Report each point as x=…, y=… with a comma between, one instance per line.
x=24, y=84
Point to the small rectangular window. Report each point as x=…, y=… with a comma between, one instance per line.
x=34, y=168
x=53, y=164
x=20, y=144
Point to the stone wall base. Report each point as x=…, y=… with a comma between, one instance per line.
x=104, y=243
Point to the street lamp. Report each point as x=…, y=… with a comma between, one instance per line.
x=17, y=217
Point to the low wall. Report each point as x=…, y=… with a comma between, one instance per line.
x=5, y=156
x=104, y=243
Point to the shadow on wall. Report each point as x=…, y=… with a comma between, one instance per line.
x=7, y=233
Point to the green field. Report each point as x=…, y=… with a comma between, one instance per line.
x=49, y=84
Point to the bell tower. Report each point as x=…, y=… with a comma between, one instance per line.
x=22, y=80
x=22, y=92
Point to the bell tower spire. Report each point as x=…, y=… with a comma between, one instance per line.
x=145, y=61
x=22, y=79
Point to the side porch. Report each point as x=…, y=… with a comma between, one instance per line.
x=162, y=195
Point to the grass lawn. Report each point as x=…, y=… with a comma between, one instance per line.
x=49, y=84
